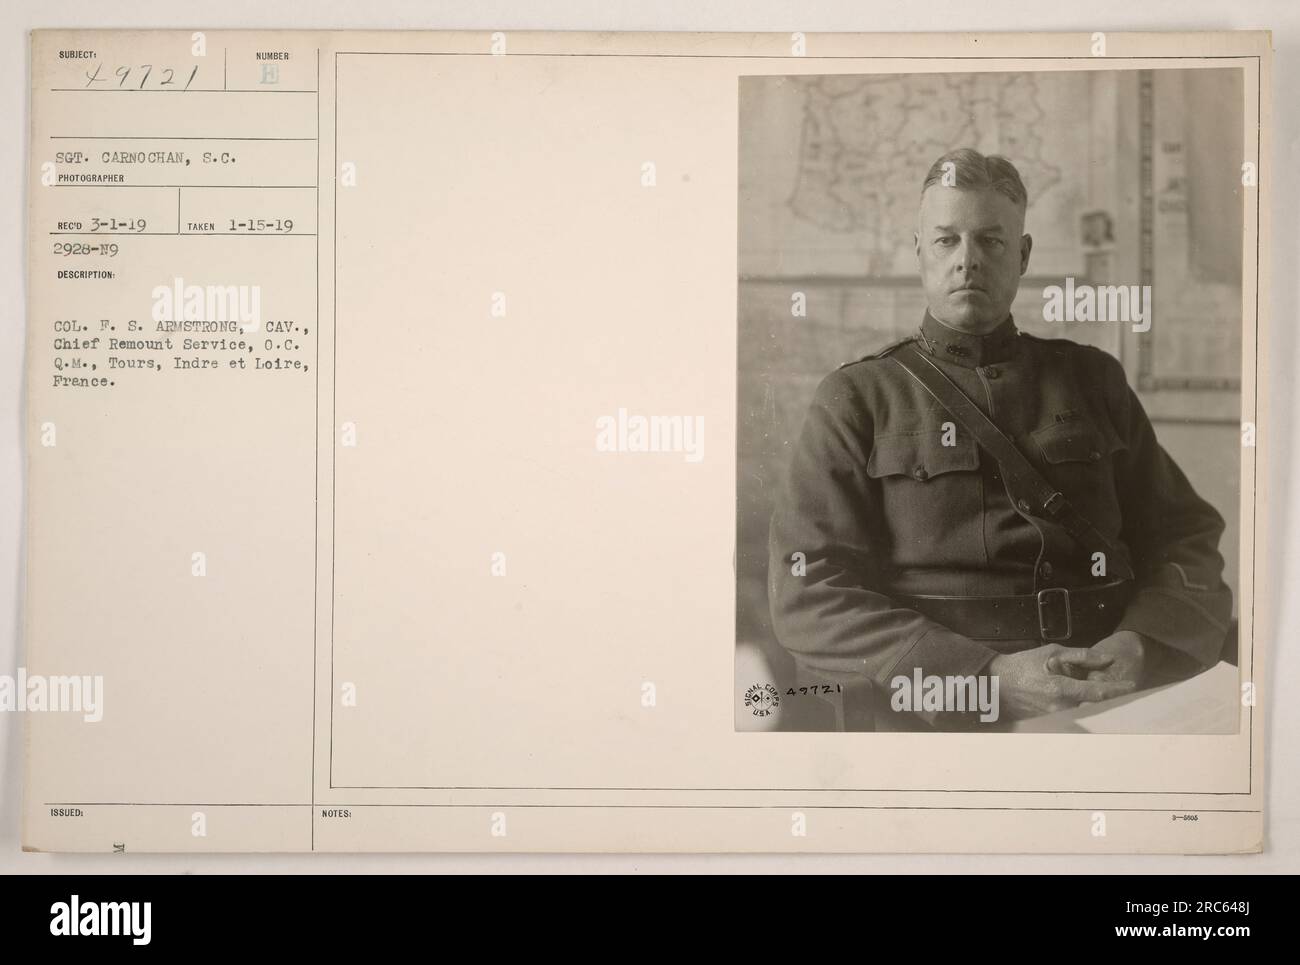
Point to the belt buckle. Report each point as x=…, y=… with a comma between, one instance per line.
x=1044, y=601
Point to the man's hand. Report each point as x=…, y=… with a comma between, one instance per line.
x=1038, y=681
x=1129, y=655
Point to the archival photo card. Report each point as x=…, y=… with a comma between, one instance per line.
x=535, y=442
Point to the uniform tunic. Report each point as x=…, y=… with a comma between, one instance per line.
x=880, y=507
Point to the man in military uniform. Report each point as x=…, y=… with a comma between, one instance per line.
x=901, y=545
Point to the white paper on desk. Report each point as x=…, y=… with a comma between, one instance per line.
x=1206, y=704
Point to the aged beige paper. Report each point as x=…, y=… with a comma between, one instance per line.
x=387, y=425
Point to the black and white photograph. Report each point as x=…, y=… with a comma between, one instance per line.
x=990, y=429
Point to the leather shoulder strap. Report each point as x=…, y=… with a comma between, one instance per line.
x=1034, y=495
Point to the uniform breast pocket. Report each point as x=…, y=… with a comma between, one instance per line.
x=930, y=493
x=1078, y=457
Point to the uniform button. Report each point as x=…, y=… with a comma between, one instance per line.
x=1094, y=455
x=1023, y=506
x=920, y=473
x=1045, y=570
x=991, y=372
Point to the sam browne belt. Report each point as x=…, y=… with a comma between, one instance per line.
x=1056, y=614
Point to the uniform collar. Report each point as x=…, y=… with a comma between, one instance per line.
x=968, y=350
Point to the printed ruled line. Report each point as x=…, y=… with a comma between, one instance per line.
x=166, y=137
x=794, y=59
x=186, y=234
x=315, y=560
x=252, y=187
x=171, y=90
x=652, y=807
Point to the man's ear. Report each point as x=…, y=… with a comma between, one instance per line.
x=916, y=245
x=1026, y=245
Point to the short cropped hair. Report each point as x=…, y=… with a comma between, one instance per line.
x=968, y=168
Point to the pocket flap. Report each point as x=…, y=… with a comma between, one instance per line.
x=1077, y=440
x=921, y=455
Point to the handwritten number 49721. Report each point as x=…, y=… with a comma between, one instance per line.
x=166, y=77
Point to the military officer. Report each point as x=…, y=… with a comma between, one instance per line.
x=900, y=549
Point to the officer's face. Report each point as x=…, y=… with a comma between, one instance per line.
x=971, y=251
